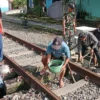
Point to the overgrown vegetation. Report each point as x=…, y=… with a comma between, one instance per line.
x=37, y=10
x=36, y=13
x=82, y=14
x=32, y=12
x=19, y=3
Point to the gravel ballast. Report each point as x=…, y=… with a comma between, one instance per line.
x=90, y=91
x=40, y=38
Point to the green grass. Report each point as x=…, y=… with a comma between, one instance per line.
x=41, y=28
x=80, y=22
x=39, y=19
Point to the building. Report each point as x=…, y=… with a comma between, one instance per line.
x=91, y=7
x=50, y=2
x=5, y=5
x=55, y=8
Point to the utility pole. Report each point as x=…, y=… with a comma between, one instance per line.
x=25, y=21
x=27, y=6
x=63, y=6
x=10, y=4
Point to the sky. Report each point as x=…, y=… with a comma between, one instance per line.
x=4, y=3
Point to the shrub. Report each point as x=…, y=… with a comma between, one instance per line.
x=36, y=11
x=18, y=3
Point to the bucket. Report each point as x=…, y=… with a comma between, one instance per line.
x=55, y=65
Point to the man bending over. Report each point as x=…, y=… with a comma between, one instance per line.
x=57, y=49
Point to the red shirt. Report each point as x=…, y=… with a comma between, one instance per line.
x=0, y=29
x=0, y=22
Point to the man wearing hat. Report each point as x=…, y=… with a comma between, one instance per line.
x=55, y=50
x=88, y=40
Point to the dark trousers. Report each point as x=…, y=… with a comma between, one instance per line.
x=84, y=50
x=2, y=90
x=69, y=40
x=96, y=51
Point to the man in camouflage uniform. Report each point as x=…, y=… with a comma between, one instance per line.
x=69, y=26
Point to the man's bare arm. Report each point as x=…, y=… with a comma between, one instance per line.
x=66, y=62
x=48, y=58
x=74, y=21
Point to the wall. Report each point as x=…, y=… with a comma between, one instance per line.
x=48, y=3
x=55, y=10
x=91, y=6
x=4, y=5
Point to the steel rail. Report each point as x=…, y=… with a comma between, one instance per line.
x=81, y=70
x=30, y=79
x=25, y=43
x=85, y=72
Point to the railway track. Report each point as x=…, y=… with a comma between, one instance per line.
x=21, y=54
x=23, y=58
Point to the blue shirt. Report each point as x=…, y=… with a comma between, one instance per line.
x=64, y=50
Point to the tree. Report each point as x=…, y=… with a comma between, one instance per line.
x=19, y=3
x=35, y=2
x=38, y=2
